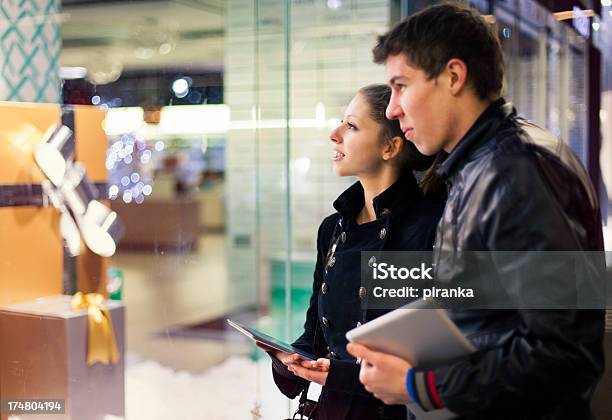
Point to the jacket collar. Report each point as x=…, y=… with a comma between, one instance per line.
x=352, y=200
x=480, y=132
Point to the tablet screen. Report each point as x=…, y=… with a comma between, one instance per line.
x=263, y=338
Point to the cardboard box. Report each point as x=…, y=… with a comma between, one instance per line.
x=31, y=250
x=31, y=253
x=44, y=356
x=179, y=230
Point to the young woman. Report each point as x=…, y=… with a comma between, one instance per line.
x=385, y=210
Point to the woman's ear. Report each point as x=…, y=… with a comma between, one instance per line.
x=393, y=148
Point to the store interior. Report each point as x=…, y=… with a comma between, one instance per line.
x=216, y=117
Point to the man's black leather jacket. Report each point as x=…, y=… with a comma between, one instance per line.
x=515, y=187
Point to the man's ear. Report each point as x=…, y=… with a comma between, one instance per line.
x=457, y=73
x=393, y=148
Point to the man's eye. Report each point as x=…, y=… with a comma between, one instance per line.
x=398, y=88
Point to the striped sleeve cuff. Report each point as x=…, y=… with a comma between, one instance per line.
x=421, y=387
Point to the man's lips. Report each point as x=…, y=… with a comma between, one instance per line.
x=409, y=133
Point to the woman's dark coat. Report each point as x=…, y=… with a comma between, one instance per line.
x=406, y=221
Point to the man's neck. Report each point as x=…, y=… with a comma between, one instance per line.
x=468, y=112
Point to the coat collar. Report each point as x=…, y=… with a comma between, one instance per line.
x=480, y=132
x=352, y=200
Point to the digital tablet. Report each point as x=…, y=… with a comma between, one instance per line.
x=269, y=341
x=424, y=337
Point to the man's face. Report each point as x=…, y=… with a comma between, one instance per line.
x=420, y=105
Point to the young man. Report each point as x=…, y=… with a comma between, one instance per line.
x=512, y=187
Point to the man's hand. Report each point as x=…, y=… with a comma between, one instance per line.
x=383, y=375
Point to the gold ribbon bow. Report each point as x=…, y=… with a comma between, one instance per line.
x=102, y=345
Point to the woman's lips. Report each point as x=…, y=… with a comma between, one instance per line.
x=337, y=156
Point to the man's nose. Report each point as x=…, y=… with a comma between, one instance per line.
x=393, y=111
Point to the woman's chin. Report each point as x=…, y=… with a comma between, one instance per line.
x=339, y=171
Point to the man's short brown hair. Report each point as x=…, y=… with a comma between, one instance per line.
x=437, y=34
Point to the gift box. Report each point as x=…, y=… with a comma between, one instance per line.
x=45, y=355
x=32, y=261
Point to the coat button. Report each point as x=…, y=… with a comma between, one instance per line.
x=324, y=288
x=325, y=322
x=343, y=237
x=385, y=212
x=362, y=293
x=371, y=261
x=333, y=355
x=382, y=233
x=359, y=324
x=332, y=261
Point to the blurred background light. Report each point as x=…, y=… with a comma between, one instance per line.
x=180, y=87
x=72, y=73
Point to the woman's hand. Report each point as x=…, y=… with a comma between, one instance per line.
x=322, y=365
x=313, y=371
x=285, y=358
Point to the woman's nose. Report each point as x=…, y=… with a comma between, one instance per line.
x=336, y=136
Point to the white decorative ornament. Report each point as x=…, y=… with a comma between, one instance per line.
x=69, y=188
x=53, y=152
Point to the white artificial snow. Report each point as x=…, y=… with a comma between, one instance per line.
x=228, y=391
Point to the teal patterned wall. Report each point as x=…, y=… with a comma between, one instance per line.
x=30, y=45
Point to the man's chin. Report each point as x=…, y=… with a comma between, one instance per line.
x=425, y=149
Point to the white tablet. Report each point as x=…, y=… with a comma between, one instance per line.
x=270, y=341
x=424, y=337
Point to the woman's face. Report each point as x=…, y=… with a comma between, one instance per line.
x=357, y=147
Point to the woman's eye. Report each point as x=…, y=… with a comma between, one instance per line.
x=351, y=126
